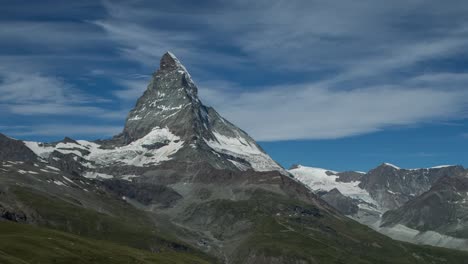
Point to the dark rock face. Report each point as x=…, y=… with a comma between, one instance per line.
x=144, y=193
x=344, y=204
x=69, y=163
x=392, y=187
x=294, y=166
x=349, y=176
x=69, y=140
x=11, y=214
x=169, y=101
x=14, y=150
x=444, y=209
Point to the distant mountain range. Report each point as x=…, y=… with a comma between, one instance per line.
x=425, y=206
x=183, y=185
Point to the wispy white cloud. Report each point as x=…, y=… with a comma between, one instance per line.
x=64, y=129
x=358, y=42
x=377, y=57
x=35, y=94
x=133, y=88
x=28, y=87
x=308, y=111
x=52, y=36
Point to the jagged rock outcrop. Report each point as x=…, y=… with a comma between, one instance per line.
x=349, y=176
x=442, y=209
x=392, y=186
x=429, y=205
x=344, y=204
x=14, y=150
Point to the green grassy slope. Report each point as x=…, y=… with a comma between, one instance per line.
x=121, y=223
x=27, y=244
x=266, y=228
x=289, y=231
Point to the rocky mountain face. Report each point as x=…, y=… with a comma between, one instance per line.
x=392, y=186
x=341, y=190
x=14, y=150
x=346, y=205
x=441, y=211
x=426, y=206
x=182, y=179
x=169, y=127
x=171, y=102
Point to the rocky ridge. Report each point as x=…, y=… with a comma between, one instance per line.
x=426, y=205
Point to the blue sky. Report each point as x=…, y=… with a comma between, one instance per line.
x=334, y=84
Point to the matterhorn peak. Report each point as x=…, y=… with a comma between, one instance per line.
x=170, y=62
x=171, y=103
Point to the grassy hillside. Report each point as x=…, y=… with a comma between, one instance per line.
x=266, y=228
x=119, y=222
x=26, y=244
x=283, y=230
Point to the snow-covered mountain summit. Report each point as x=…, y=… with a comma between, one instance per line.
x=169, y=123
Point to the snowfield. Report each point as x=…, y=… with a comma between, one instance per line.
x=241, y=148
x=138, y=153
x=318, y=179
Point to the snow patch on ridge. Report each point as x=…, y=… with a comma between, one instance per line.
x=317, y=179
x=393, y=166
x=138, y=153
x=441, y=166
x=44, y=150
x=241, y=148
x=96, y=175
x=435, y=167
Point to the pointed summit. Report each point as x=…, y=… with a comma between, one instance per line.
x=171, y=102
x=170, y=62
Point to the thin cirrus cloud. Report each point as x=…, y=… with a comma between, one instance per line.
x=312, y=112
x=63, y=129
x=36, y=94
x=284, y=37
x=380, y=59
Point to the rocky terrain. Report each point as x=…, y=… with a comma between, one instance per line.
x=392, y=186
x=439, y=214
x=182, y=181
x=424, y=206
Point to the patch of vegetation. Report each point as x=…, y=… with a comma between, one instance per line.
x=284, y=230
x=126, y=225
x=26, y=244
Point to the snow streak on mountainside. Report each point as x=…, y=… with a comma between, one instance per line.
x=426, y=217
x=158, y=146
x=169, y=123
x=324, y=181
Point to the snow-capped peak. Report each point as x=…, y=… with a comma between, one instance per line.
x=441, y=166
x=170, y=62
x=435, y=167
x=176, y=61
x=312, y=170
x=171, y=101
x=391, y=165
